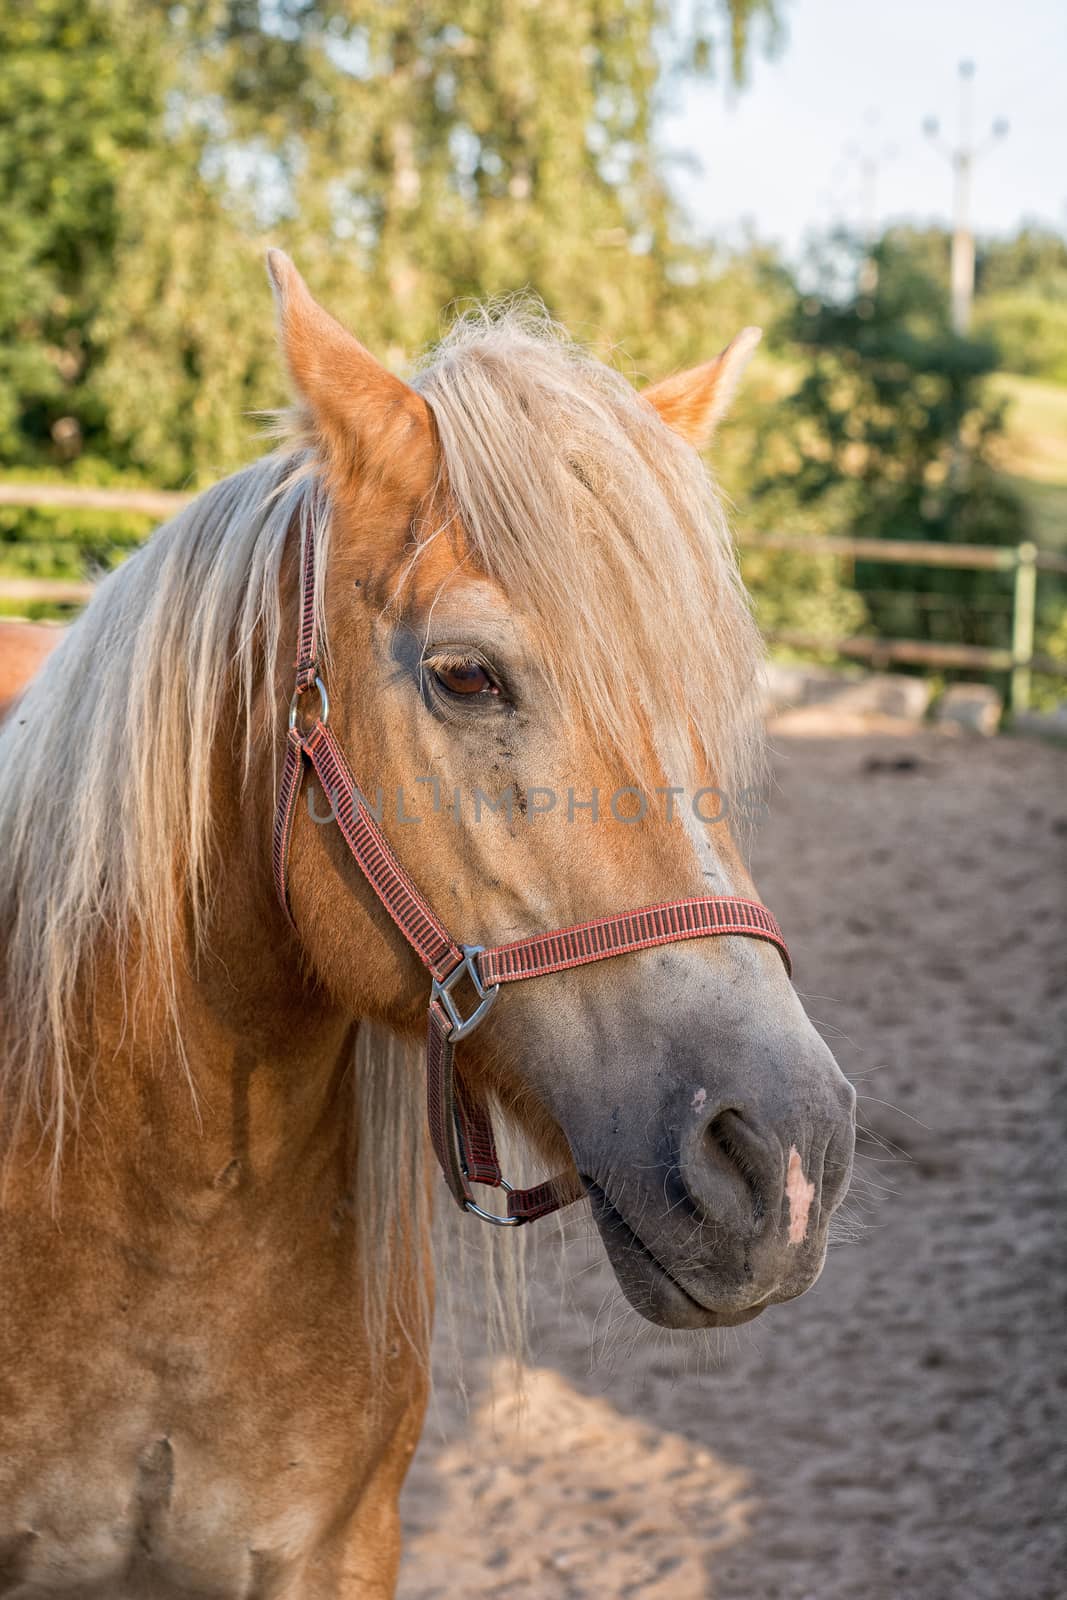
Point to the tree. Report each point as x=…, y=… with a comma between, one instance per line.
x=890, y=433
x=408, y=154
x=81, y=89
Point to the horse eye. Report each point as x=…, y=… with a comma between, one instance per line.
x=464, y=677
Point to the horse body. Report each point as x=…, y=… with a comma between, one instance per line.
x=193, y=1413
x=23, y=647
x=213, y=1246
x=187, y=1401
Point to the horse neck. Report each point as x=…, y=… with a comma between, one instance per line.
x=255, y=1092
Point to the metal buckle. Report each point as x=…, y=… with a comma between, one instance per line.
x=324, y=703
x=442, y=991
x=492, y=1216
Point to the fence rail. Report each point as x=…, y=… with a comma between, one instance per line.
x=78, y=497
x=908, y=552
x=46, y=591
x=1025, y=561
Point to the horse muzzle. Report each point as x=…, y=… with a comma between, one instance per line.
x=731, y=1214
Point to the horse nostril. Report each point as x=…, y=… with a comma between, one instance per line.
x=734, y=1152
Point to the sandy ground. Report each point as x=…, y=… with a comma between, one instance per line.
x=899, y=1433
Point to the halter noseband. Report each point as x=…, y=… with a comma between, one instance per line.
x=460, y=1128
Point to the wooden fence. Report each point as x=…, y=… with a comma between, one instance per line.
x=1024, y=561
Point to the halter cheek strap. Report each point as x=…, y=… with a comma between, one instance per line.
x=460, y=1129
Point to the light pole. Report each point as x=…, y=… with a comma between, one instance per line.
x=962, y=158
x=869, y=160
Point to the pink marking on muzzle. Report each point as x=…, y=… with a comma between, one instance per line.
x=800, y=1192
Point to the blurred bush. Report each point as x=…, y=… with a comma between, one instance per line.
x=1022, y=302
x=51, y=542
x=888, y=432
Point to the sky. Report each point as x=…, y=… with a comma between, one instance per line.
x=864, y=74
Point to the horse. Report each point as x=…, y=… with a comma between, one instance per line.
x=23, y=647
x=515, y=604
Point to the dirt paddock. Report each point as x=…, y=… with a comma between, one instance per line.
x=897, y=1434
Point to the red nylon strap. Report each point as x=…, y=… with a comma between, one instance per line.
x=460, y=1129
x=372, y=850
x=368, y=844
x=307, y=651
x=462, y=1136
x=626, y=931
x=432, y=943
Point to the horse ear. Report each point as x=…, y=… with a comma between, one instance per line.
x=358, y=409
x=692, y=402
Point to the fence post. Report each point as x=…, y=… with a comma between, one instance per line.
x=1024, y=605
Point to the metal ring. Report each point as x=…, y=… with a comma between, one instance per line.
x=324, y=703
x=493, y=1216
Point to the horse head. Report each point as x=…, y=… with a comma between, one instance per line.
x=541, y=664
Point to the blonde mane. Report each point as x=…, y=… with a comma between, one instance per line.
x=105, y=772
x=606, y=533
x=601, y=527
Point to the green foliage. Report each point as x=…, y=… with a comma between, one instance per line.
x=1021, y=301
x=413, y=155
x=51, y=542
x=81, y=88
x=1035, y=258
x=186, y=333
x=890, y=433
x=804, y=595
x=407, y=155
x=886, y=392
x=1029, y=328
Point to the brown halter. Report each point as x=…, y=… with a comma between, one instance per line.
x=460, y=1128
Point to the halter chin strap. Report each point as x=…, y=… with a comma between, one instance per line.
x=460, y=1128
